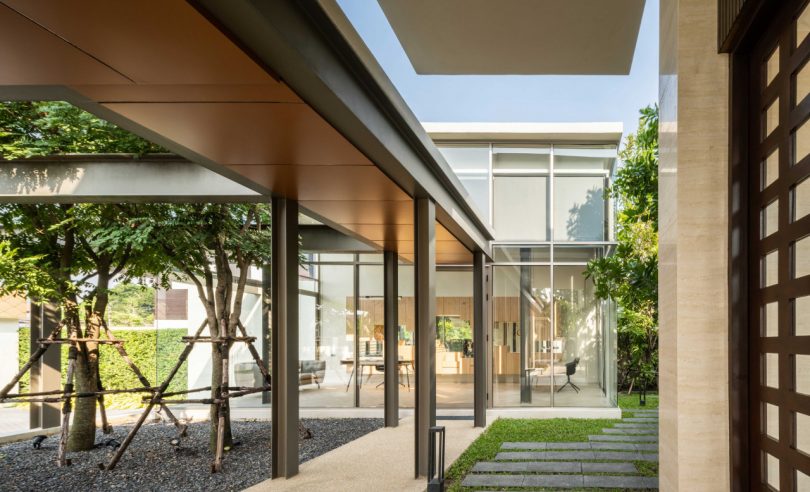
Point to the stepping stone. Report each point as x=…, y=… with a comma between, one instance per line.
x=545, y=445
x=607, y=481
x=641, y=420
x=559, y=481
x=620, y=438
x=577, y=455
x=630, y=431
x=614, y=446
x=528, y=467
x=635, y=426
x=547, y=455
x=624, y=456
x=583, y=446
x=523, y=445
x=609, y=468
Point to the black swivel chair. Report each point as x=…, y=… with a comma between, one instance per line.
x=570, y=370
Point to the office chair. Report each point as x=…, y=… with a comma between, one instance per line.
x=570, y=370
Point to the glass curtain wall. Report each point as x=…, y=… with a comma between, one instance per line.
x=342, y=348
x=454, y=338
x=553, y=342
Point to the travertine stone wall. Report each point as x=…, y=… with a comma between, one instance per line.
x=693, y=277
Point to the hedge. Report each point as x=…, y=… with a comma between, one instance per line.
x=151, y=350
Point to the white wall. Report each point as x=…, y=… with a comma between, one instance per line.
x=9, y=338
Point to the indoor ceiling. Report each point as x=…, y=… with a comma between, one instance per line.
x=576, y=37
x=161, y=69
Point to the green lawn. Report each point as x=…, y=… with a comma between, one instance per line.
x=631, y=401
x=542, y=430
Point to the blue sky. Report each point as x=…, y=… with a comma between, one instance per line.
x=501, y=98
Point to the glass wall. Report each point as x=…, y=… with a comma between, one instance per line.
x=514, y=187
x=470, y=163
x=454, y=339
x=336, y=338
x=553, y=341
x=523, y=344
x=327, y=336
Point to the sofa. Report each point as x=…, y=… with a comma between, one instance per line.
x=309, y=372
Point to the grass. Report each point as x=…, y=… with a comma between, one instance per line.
x=505, y=430
x=630, y=402
x=542, y=430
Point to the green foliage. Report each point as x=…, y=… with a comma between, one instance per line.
x=630, y=275
x=150, y=350
x=40, y=128
x=131, y=305
x=21, y=274
x=449, y=329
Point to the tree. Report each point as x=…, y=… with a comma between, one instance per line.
x=64, y=245
x=630, y=275
x=213, y=246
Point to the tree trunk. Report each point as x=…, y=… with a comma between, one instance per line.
x=83, y=429
x=216, y=380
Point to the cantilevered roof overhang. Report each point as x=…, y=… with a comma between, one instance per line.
x=565, y=37
x=276, y=96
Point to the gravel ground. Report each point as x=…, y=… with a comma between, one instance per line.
x=151, y=462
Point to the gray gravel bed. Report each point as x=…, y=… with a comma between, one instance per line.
x=152, y=463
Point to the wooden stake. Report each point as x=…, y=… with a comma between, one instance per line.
x=31, y=361
x=61, y=455
x=145, y=382
x=124, y=445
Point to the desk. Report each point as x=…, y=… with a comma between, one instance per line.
x=372, y=362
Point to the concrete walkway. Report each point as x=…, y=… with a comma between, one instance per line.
x=380, y=460
x=606, y=461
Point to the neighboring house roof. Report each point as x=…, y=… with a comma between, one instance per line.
x=13, y=307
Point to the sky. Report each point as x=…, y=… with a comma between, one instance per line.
x=515, y=98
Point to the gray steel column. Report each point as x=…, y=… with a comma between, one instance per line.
x=284, y=284
x=479, y=341
x=266, y=300
x=46, y=373
x=425, y=333
x=525, y=328
x=391, y=320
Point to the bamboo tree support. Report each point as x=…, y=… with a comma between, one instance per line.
x=220, y=399
x=303, y=431
x=145, y=382
x=156, y=396
x=31, y=361
x=67, y=394
x=61, y=455
x=106, y=428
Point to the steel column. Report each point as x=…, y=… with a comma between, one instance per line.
x=284, y=285
x=391, y=320
x=46, y=374
x=266, y=310
x=479, y=341
x=525, y=325
x=425, y=333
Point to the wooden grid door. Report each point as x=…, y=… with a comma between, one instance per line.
x=780, y=253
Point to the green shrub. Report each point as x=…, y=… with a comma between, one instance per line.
x=154, y=352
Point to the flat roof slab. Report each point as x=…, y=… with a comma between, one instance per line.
x=565, y=37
